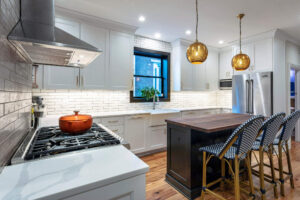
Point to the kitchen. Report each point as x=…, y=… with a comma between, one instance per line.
x=126, y=69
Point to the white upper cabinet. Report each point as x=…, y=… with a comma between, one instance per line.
x=225, y=68
x=212, y=70
x=186, y=71
x=57, y=77
x=120, y=60
x=194, y=77
x=93, y=76
x=263, y=55
x=110, y=70
x=260, y=53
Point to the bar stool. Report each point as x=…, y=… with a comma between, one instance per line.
x=268, y=132
x=281, y=142
x=244, y=136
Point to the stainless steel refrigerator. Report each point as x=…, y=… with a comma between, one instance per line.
x=253, y=93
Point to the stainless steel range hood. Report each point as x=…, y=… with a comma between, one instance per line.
x=40, y=42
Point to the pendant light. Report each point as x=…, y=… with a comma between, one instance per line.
x=240, y=62
x=197, y=52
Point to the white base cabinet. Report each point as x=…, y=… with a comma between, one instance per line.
x=128, y=189
x=156, y=137
x=146, y=133
x=135, y=132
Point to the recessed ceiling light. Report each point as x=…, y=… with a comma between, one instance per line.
x=157, y=35
x=221, y=41
x=188, y=32
x=142, y=18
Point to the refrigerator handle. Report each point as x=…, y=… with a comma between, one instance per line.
x=247, y=95
x=252, y=96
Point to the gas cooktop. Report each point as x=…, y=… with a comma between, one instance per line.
x=52, y=141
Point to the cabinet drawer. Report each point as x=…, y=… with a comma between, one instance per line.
x=107, y=121
x=157, y=120
x=119, y=130
x=189, y=114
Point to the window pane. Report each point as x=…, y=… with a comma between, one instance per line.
x=147, y=66
x=142, y=82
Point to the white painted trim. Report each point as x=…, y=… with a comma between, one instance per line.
x=92, y=20
x=297, y=97
x=184, y=42
x=256, y=37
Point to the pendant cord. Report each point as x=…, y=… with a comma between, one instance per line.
x=197, y=20
x=240, y=35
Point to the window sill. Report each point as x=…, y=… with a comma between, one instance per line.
x=142, y=100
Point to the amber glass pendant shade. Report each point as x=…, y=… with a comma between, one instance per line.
x=197, y=53
x=240, y=62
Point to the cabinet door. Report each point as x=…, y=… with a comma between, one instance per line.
x=57, y=77
x=211, y=71
x=186, y=72
x=93, y=76
x=120, y=60
x=225, y=69
x=263, y=55
x=156, y=137
x=135, y=133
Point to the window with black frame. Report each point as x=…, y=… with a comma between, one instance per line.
x=151, y=70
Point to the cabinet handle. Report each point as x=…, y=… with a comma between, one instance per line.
x=113, y=121
x=77, y=81
x=116, y=130
x=82, y=80
x=160, y=125
x=136, y=118
x=190, y=113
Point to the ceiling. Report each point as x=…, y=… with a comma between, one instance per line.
x=217, y=18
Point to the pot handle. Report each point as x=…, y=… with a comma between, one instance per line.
x=76, y=112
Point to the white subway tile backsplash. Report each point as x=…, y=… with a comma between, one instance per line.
x=93, y=101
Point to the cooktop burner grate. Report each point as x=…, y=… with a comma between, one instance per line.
x=51, y=141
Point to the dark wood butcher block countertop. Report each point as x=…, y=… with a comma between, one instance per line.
x=212, y=123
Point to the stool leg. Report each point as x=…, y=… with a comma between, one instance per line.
x=236, y=178
x=203, y=176
x=280, y=169
x=249, y=169
x=261, y=173
x=222, y=173
x=289, y=165
x=273, y=170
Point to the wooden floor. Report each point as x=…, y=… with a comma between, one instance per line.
x=158, y=189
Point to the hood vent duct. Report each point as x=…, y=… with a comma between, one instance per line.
x=40, y=42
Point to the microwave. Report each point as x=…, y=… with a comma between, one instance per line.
x=225, y=84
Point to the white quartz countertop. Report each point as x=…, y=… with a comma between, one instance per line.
x=69, y=174
x=141, y=112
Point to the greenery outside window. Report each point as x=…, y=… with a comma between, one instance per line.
x=151, y=70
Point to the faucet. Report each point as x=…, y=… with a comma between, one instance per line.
x=154, y=103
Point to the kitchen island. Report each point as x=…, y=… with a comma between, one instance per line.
x=185, y=137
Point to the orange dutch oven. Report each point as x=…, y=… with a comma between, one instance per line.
x=75, y=124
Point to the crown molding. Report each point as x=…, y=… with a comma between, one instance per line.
x=184, y=42
x=256, y=37
x=93, y=20
x=282, y=35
